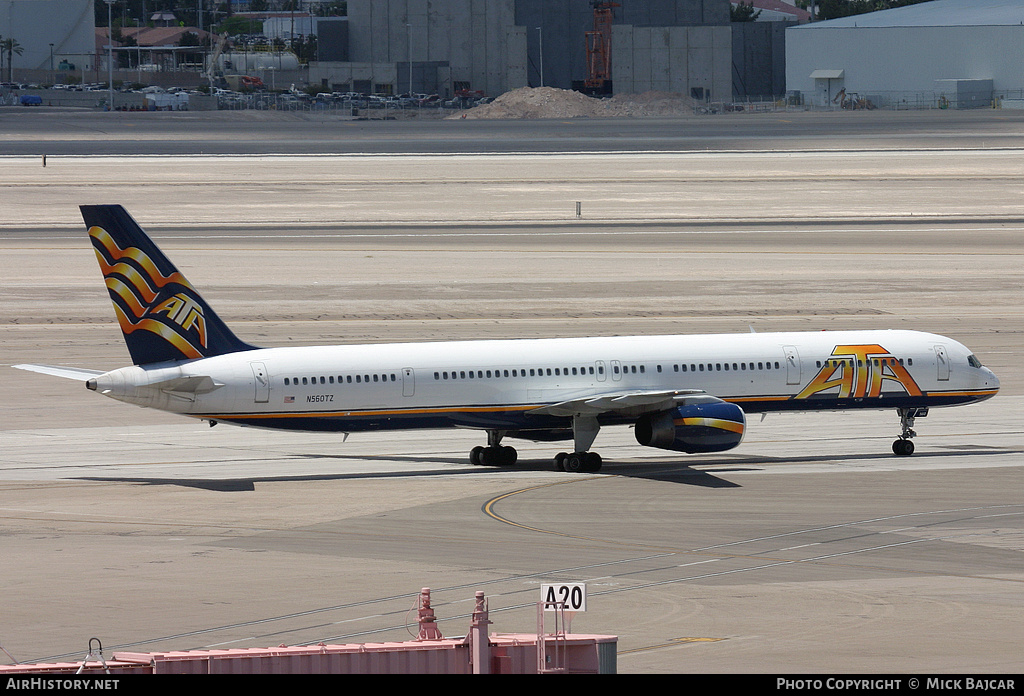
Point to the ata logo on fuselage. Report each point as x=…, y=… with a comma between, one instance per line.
x=860, y=372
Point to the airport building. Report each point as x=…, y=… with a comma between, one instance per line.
x=52, y=35
x=493, y=46
x=482, y=47
x=945, y=53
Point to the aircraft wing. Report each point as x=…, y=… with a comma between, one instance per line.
x=59, y=371
x=627, y=402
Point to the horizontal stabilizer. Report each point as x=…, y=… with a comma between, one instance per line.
x=65, y=372
x=199, y=384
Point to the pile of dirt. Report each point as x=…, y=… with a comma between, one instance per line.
x=655, y=104
x=549, y=102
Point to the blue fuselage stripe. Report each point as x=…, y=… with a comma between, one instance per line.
x=522, y=418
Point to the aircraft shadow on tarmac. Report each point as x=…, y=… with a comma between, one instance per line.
x=678, y=474
x=665, y=471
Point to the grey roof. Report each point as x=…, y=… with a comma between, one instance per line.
x=937, y=13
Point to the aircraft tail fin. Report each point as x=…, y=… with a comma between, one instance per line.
x=161, y=315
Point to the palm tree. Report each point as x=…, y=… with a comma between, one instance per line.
x=10, y=47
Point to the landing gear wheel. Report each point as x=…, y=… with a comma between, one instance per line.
x=496, y=455
x=903, y=448
x=576, y=462
x=507, y=456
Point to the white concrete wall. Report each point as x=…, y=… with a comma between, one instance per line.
x=672, y=59
x=488, y=50
x=904, y=59
x=340, y=73
x=477, y=37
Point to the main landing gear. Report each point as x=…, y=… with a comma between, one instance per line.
x=904, y=446
x=494, y=454
x=584, y=431
x=578, y=462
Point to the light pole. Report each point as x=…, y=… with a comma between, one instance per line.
x=408, y=31
x=51, y=65
x=540, y=41
x=110, y=53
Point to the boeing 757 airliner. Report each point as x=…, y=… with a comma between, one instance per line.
x=681, y=393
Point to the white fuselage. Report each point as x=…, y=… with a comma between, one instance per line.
x=495, y=385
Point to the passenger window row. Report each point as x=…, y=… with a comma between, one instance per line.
x=877, y=362
x=725, y=367
x=448, y=375
x=615, y=369
x=341, y=379
x=517, y=372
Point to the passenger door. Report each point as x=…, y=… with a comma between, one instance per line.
x=262, y=381
x=793, y=372
x=942, y=363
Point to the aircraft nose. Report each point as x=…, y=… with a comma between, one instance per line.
x=991, y=379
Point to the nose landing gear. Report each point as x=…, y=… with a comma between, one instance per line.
x=903, y=446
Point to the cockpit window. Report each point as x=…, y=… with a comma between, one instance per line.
x=973, y=361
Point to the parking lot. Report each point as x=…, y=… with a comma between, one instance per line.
x=96, y=95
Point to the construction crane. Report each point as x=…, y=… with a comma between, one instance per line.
x=213, y=73
x=599, y=49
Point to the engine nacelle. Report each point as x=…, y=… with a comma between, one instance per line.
x=710, y=427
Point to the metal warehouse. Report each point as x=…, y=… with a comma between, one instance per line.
x=945, y=53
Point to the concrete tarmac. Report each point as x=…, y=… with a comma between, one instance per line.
x=80, y=132
x=810, y=548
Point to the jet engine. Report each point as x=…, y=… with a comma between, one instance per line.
x=705, y=427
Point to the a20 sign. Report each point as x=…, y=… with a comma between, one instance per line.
x=569, y=596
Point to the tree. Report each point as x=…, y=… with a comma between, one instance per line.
x=331, y=8
x=123, y=58
x=187, y=40
x=11, y=47
x=743, y=12
x=233, y=26
x=305, y=48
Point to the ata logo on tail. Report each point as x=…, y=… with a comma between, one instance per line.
x=140, y=294
x=859, y=372
x=186, y=313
